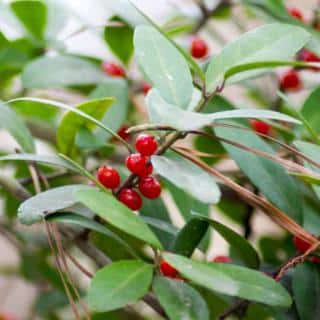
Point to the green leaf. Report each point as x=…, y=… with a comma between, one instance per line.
x=189, y=237
x=179, y=300
x=118, y=284
x=61, y=71
x=11, y=122
x=36, y=208
x=231, y=280
x=269, y=177
x=306, y=291
x=84, y=222
x=270, y=42
x=164, y=65
x=118, y=215
x=32, y=14
x=163, y=113
x=310, y=110
x=120, y=40
x=186, y=176
x=72, y=122
x=240, y=246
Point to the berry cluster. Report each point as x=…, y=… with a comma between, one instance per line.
x=139, y=164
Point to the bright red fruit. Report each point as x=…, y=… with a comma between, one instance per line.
x=308, y=56
x=149, y=187
x=290, y=81
x=109, y=177
x=168, y=270
x=301, y=245
x=130, y=198
x=113, y=69
x=146, y=87
x=122, y=132
x=222, y=259
x=199, y=48
x=296, y=13
x=260, y=126
x=146, y=145
x=139, y=164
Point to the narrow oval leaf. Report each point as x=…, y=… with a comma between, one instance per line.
x=84, y=222
x=269, y=177
x=11, y=122
x=72, y=122
x=186, y=176
x=60, y=71
x=179, y=300
x=274, y=41
x=118, y=215
x=118, y=284
x=36, y=208
x=32, y=14
x=163, y=113
x=232, y=280
x=164, y=66
x=240, y=246
x=310, y=110
x=306, y=291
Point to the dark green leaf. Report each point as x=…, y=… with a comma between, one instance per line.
x=310, y=110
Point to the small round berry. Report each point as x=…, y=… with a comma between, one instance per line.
x=139, y=164
x=309, y=56
x=290, y=81
x=149, y=187
x=295, y=13
x=260, y=126
x=222, y=259
x=168, y=270
x=122, y=132
x=130, y=198
x=113, y=69
x=301, y=245
x=199, y=48
x=109, y=177
x=146, y=87
x=146, y=145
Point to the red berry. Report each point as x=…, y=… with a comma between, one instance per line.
x=260, y=126
x=290, y=81
x=146, y=145
x=199, y=48
x=315, y=259
x=109, y=177
x=149, y=187
x=301, y=245
x=122, y=132
x=222, y=259
x=113, y=69
x=296, y=13
x=168, y=270
x=146, y=87
x=309, y=56
x=130, y=198
x=139, y=164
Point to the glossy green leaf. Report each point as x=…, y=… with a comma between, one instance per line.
x=163, y=113
x=270, y=42
x=310, y=110
x=118, y=215
x=232, y=280
x=269, y=177
x=189, y=237
x=306, y=291
x=120, y=40
x=186, y=176
x=60, y=71
x=164, y=66
x=32, y=14
x=179, y=300
x=36, y=208
x=84, y=222
x=240, y=246
x=72, y=122
x=11, y=122
x=118, y=284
